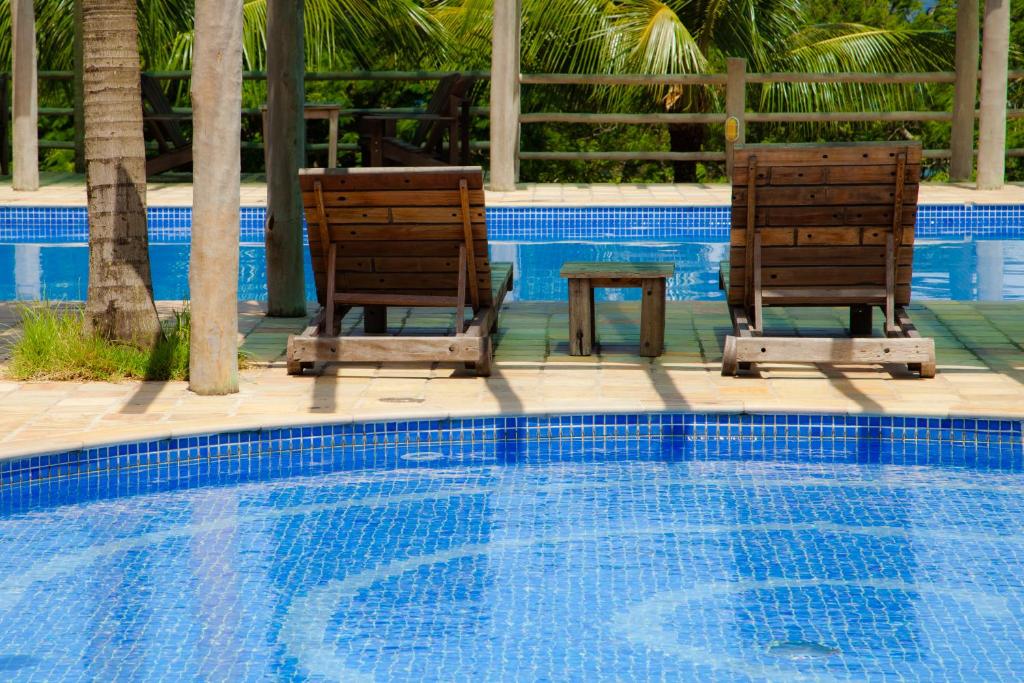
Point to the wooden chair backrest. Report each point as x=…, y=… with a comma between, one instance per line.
x=398, y=231
x=823, y=213
x=167, y=132
x=440, y=104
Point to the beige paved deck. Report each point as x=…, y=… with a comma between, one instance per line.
x=69, y=190
x=981, y=372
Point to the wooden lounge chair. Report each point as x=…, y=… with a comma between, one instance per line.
x=446, y=113
x=408, y=237
x=173, y=149
x=824, y=225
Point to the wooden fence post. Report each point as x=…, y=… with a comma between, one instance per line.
x=26, y=101
x=505, y=94
x=735, y=106
x=965, y=94
x=995, y=51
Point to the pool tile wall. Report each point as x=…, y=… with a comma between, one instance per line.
x=525, y=224
x=888, y=439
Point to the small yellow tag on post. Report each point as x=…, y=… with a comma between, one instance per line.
x=732, y=129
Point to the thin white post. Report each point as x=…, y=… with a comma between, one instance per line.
x=995, y=50
x=505, y=94
x=965, y=92
x=26, y=102
x=735, y=107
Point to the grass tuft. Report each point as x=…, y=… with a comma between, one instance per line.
x=54, y=345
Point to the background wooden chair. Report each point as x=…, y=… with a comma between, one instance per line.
x=447, y=116
x=824, y=225
x=174, y=150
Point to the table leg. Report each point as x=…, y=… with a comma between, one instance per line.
x=581, y=317
x=332, y=141
x=593, y=319
x=652, y=317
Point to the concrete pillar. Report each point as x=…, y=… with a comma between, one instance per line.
x=965, y=96
x=995, y=50
x=505, y=94
x=213, y=264
x=285, y=152
x=26, y=101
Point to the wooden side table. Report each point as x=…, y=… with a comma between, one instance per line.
x=584, y=277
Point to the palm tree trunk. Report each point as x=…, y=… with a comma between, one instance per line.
x=119, y=302
x=213, y=270
x=685, y=137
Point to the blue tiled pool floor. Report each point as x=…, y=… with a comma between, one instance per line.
x=604, y=559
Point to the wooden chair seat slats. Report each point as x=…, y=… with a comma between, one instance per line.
x=413, y=237
x=822, y=225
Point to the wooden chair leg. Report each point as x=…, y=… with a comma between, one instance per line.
x=331, y=290
x=375, y=319
x=860, y=320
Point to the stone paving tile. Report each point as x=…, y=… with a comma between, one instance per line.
x=981, y=372
x=69, y=190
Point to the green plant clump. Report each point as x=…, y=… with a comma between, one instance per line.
x=55, y=345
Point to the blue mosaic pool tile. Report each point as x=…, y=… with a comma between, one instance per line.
x=908, y=435
x=529, y=224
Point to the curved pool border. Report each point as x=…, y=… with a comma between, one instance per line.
x=201, y=452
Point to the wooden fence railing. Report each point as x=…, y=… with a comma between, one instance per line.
x=185, y=113
x=734, y=83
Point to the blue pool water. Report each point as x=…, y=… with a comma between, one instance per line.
x=575, y=559
x=959, y=270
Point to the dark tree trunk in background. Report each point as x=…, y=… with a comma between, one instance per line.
x=686, y=137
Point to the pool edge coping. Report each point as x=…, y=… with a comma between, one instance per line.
x=20, y=452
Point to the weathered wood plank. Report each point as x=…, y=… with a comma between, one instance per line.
x=424, y=178
x=407, y=232
x=390, y=198
x=380, y=349
x=434, y=214
x=409, y=249
x=824, y=195
x=815, y=154
x=849, y=175
x=590, y=269
x=803, y=296
x=827, y=350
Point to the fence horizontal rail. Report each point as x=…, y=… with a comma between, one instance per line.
x=311, y=76
x=623, y=79
x=623, y=156
x=560, y=117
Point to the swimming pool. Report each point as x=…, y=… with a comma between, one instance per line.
x=958, y=270
x=963, y=252
x=628, y=547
